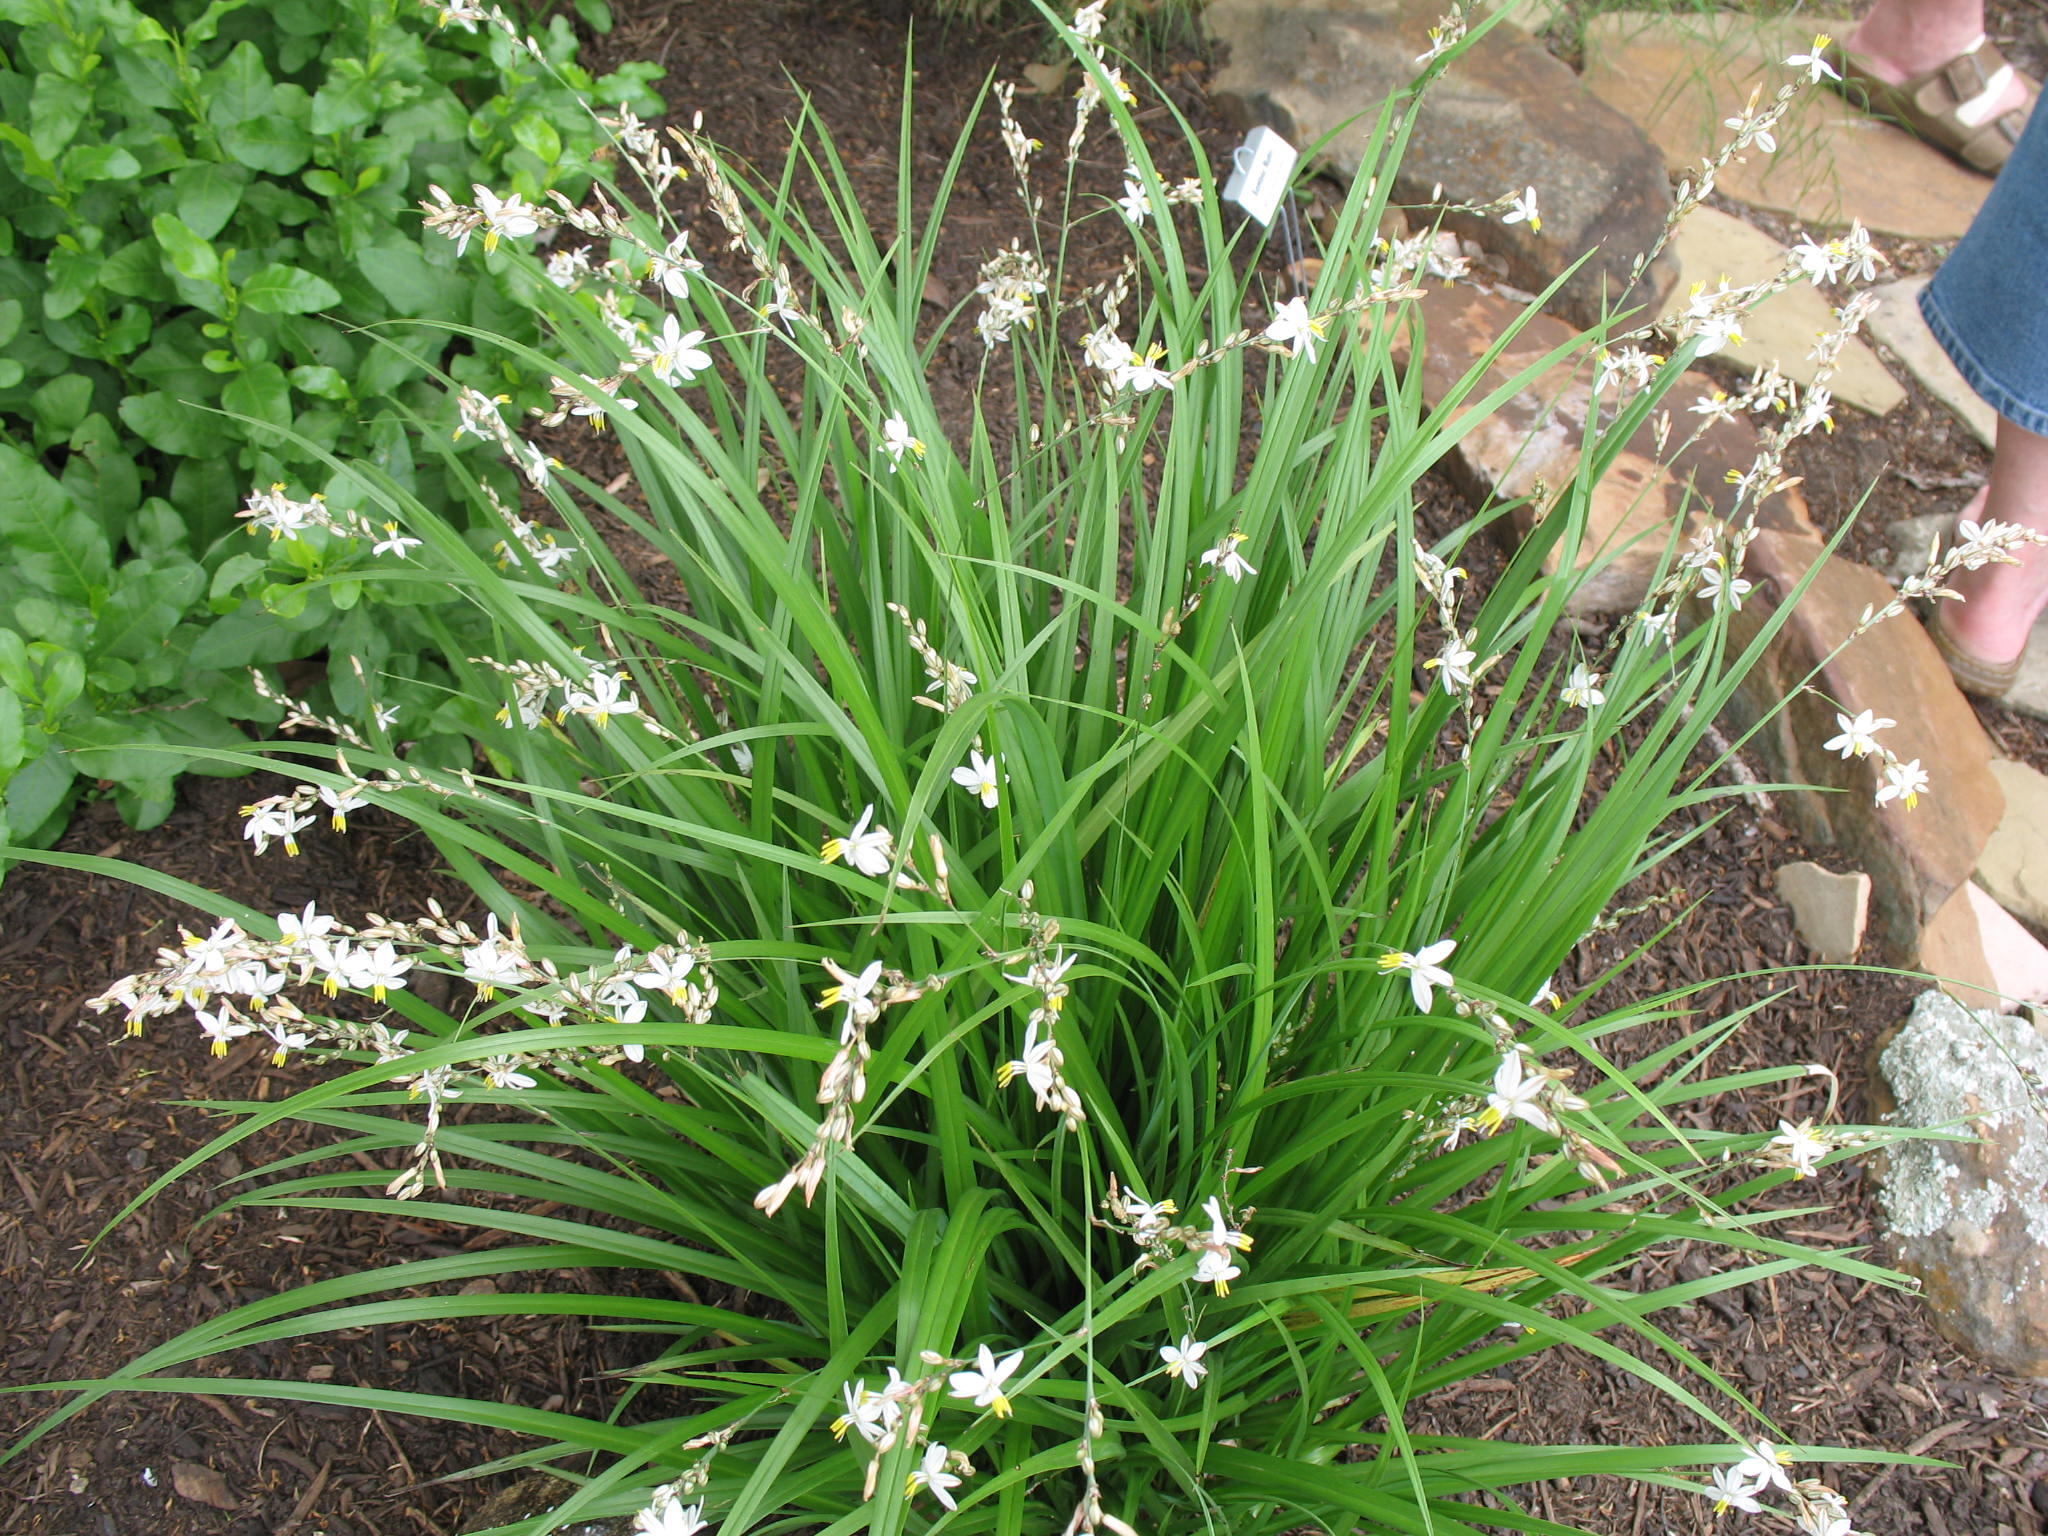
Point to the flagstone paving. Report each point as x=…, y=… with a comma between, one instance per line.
x=1679, y=76
x=1896, y=323
x=1507, y=116
x=1711, y=245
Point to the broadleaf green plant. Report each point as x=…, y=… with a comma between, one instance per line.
x=204, y=211
x=1151, y=1089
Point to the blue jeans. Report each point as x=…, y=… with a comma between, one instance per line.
x=1988, y=305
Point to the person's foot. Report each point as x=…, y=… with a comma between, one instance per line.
x=1896, y=52
x=1997, y=614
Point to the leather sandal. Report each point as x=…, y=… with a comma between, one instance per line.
x=1972, y=673
x=1938, y=106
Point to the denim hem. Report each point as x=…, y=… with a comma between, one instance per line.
x=2009, y=405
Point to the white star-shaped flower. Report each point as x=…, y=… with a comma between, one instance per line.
x=675, y=357
x=981, y=775
x=1815, y=61
x=1732, y=1490
x=511, y=216
x=983, y=1385
x=1184, y=1360
x=1453, y=665
x=1859, y=736
x=1143, y=374
x=1582, y=689
x=1799, y=1147
x=1296, y=329
x=1424, y=968
x=931, y=1473
x=1523, y=208
x=870, y=850
x=1226, y=558
x=1516, y=1096
x=1720, y=589
x=897, y=441
x=1902, y=782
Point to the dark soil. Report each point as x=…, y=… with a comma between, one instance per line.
x=87, y=1118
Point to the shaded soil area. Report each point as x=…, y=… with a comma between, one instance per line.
x=88, y=1118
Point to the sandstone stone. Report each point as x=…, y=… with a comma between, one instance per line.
x=1506, y=115
x=2029, y=694
x=1968, y=1218
x=1912, y=540
x=1530, y=446
x=1896, y=324
x=1981, y=955
x=2014, y=864
x=1829, y=911
x=1917, y=858
x=1711, y=245
x=1679, y=75
x=1532, y=16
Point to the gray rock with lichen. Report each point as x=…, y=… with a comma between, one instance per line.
x=1969, y=1219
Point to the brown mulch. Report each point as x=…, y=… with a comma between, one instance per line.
x=87, y=1118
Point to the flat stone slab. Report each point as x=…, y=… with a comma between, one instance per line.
x=1829, y=911
x=1506, y=115
x=2014, y=864
x=1917, y=859
x=1711, y=245
x=1981, y=954
x=1529, y=447
x=1896, y=323
x=1912, y=541
x=1679, y=75
x=2029, y=694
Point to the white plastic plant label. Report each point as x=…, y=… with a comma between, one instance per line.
x=1261, y=168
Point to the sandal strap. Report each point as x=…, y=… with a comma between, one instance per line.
x=1965, y=75
x=1993, y=145
x=1934, y=105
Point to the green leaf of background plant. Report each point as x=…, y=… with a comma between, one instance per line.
x=56, y=109
x=101, y=475
x=100, y=162
x=189, y=255
x=321, y=382
x=37, y=797
x=135, y=271
x=271, y=143
x=206, y=195
x=72, y=277
x=345, y=101
x=411, y=284
x=239, y=89
x=52, y=544
x=537, y=136
x=103, y=747
x=261, y=391
x=60, y=405
x=283, y=290
x=170, y=426
x=13, y=736
x=250, y=636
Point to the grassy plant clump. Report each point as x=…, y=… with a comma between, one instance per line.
x=1043, y=924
